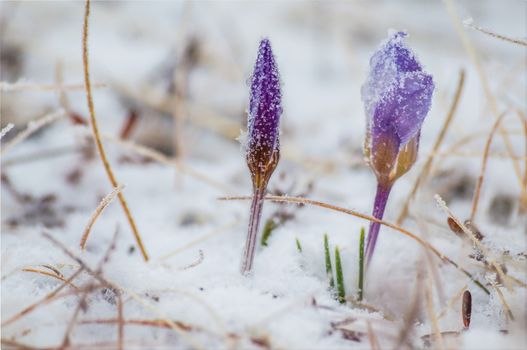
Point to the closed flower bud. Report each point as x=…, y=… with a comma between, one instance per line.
x=397, y=96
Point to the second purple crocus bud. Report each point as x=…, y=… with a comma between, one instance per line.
x=397, y=96
x=262, y=146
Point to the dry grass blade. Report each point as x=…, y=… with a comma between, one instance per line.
x=374, y=343
x=299, y=200
x=6, y=129
x=98, y=211
x=425, y=171
x=163, y=159
x=50, y=274
x=495, y=35
x=503, y=302
x=432, y=316
x=96, y=133
x=490, y=98
x=523, y=197
x=484, y=251
x=27, y=86
x=105, y=282
x=32, y=127
x=477, y=190
x=90, y=287
x=44, y=300
x=120, y=322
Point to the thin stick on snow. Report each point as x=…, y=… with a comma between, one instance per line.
x=97, y=212
x=96, y=134
x=425, y=171
x=477, y=190
x=451, y=302
x=32, y=127
x=299, y=200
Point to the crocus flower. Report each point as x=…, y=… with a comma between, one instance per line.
x=262, y=146
x=397, y=96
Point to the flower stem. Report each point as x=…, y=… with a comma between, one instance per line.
x=381, y=198
x=254, y=223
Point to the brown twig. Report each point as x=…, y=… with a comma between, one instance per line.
x=425, y=171
x=98, y=211
x=477, y=190
x=96, y=134
x=397, y=228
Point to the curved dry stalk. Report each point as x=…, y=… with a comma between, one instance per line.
x=489, y=96
x=32, y=127
x=46, y=273
x=6, y=129
x=425, y=171
x=28, y=86
x=96, y=133
x=477, y=190
x=495, y=35
x=98, y=211
x=299, y=200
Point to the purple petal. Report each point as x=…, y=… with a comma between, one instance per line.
x=264, y=108
x=397, y=94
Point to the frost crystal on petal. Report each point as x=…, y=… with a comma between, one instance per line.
x=264, y=109
x=397, y=93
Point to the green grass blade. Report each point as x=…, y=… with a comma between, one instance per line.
x=269, y=226
x=340, y=278
x=329, y=270
x=298, y=245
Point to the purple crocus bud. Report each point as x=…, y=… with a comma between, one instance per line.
x=265, y=108
x=262, y=146
x=397, y=96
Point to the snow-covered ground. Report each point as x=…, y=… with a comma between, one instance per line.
x=53, y=181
